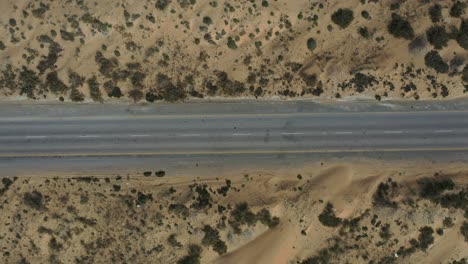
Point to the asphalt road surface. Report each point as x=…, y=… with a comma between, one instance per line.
x=29, y=140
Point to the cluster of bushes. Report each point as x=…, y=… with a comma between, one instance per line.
x=28, y=82
x=172, y=240
x=94, y=90
x=75, y=79
x=211, y=238
x=328, y=218
x=193, y=255
x=168, y=90
x=228, y=86
x=203, y=199
x=458, y=9
x=432, y=188
x=48, y=62
x=326, y=255
x=360, y=82
x=425, y=239
x=96, y=24
x=435, y=12
x=434, y=60
x=242, y=215
x=54, y=84
x=384, y=193
x=437, y=36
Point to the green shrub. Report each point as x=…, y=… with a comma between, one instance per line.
x=426, y=237
x=75, y=79
x=193, y=256
x=328, y=218
x=143, y=198
x=160, y=173
x=136, y=95
x=137, y=79
x=231, y=43
x=48, y=62
x=437, y=36
x=2, y=45
x=76, y=96
x=464, y=230
x=364, y=32
x=179, y=209
x=457, y=9
x=211, y=238
x=95, y=23
x=39, y=12
x=394, y=6
x=448, y=222
x=106, y=66
x=28, y=82
x=12, y=22
x=433, y=60
x=162, y=4
x=151, y=97
x=462, y=36
x=54, y=84
x=34, y=199
x=431, y=188
x=115, y=92
x=311, y=44
x=207, y=20
x=383, y=194
x=265, y=218
x=400, y=28
x=229, y=87
x=435, y=12
x=343, y=17
x=8, y=78
x=465, y=74
x=203, y=199
x=186, y=3
x=241, y=215
x=67, y=36
x=365, y=14
x=168, y=90
x=172, y=240
x=94, y=90
x=457, y=200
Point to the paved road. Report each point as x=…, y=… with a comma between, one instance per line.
x=83, y=139
x=233, y=134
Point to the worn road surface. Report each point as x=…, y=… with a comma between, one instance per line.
x=40, y=142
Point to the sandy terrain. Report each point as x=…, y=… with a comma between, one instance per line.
x=180, y=49
x=385, y=213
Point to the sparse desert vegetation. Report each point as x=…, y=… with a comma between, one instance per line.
x=176, y=50
x=333, y=215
